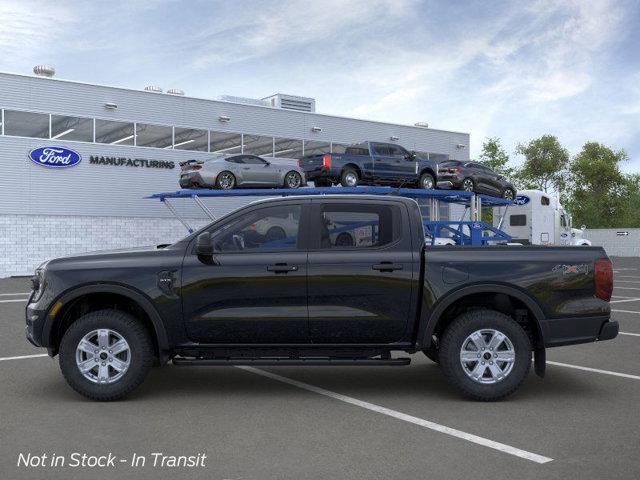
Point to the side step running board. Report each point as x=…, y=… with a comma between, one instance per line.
x=181, y=361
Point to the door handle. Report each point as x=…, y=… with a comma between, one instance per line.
x=282, y=268
x=246, y=168
x=386, y=266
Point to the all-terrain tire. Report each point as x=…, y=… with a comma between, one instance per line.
x=140, y=348
x=451, y=343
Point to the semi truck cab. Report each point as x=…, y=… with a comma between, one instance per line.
x=537, y=218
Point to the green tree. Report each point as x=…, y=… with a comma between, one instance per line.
x=630, y=216
x=495, y=157
x=599, y=191
x=545, y=164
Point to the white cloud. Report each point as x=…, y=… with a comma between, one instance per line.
x=30, y=30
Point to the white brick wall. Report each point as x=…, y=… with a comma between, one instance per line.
x=28, y=240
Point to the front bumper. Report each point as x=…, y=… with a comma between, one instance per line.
x=35, y=319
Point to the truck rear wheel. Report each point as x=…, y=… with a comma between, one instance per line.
x=105, y=355
x=349, y=178
x=485, y=354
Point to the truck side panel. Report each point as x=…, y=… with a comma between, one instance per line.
x=557, y=282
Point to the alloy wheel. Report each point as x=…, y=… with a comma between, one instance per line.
x=487, y=356
x=103, y=356
x=467, y=185
x=226, y=181
x=351, y=179
x=508, y=194
x=293, y=180
x=427, y=182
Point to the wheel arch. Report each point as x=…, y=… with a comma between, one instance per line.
x=503, y=298
x=354, y=167
x=428, y=170
x=124, y=298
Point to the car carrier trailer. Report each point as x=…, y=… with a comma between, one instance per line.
x=471, y=231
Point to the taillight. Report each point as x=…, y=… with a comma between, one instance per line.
x=326, y=161
x=196, y=167
x=299, y=162
x=603, y=276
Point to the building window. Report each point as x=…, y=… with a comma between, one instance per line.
x=190, y=139
x=287, y=148
x=224, y=142
x=316, y=148
x=258, y=145
x=338, y=147
x=72, y=128
x=114, y=133
x=26, y=124
x=157, y=136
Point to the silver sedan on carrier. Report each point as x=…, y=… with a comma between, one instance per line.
x=240, y=170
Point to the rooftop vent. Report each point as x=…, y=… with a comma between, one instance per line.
x=153, y=88
x=292, y=102
x=175, y=91
x=44, y=71
x=422, y=124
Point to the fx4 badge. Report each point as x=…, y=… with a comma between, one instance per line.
x=568, y=269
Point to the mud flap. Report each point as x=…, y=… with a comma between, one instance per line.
x=540, y=359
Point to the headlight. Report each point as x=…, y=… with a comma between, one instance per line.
x=38, y=284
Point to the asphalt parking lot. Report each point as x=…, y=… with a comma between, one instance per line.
x=581, y=421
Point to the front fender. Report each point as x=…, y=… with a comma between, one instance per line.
x=133, y=294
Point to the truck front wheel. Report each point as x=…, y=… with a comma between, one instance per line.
x=485, y=354
x=106, y=354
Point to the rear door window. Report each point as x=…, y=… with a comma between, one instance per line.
x=381, y=150
x=358, y=226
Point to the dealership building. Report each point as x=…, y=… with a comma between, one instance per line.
x=129, y=144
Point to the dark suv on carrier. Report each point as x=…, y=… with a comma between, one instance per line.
x=474, y=177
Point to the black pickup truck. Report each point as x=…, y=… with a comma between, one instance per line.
x=371, y=163
x=230, y=294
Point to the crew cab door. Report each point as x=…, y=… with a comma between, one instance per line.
x=382, y=162
x=403, y=164
x=257, y=171
x=360, y=271
x=254, y=289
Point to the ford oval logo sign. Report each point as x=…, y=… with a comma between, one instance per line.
x=56, y=157
x=521, y=200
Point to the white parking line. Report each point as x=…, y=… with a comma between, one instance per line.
x=627, y=281
x=625, y=276
x=626, y=311
x=14, y=300
x=14, y=294
x=630, y=334
x=628, y=288
x=595, y=370
x=2, y=359
x=628, y=299
x=485, y=442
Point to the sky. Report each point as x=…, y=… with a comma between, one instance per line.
x=514, y=70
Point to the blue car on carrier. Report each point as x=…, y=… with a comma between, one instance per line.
x=371, y=163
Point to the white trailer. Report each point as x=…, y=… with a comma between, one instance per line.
x=537, y=218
